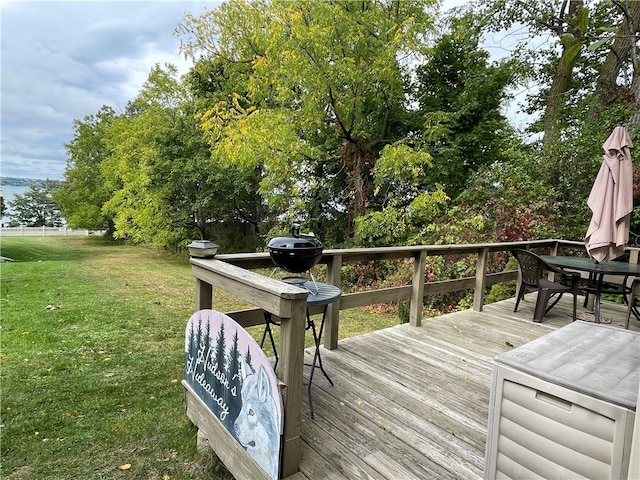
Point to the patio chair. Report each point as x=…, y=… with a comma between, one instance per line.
x=533, y=270
x=631, y=307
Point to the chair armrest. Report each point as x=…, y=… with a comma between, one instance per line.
x=567, y=277
x=572, y=279
x=568, y=273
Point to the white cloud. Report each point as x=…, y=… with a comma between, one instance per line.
x=63, y=60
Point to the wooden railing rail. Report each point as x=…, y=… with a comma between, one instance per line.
x=415, y=293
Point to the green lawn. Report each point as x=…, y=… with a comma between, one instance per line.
x=92, y=358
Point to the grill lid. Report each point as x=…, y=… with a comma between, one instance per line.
x=296, y=242
x=297, y=253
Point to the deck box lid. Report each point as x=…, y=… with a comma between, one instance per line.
x=597, y=360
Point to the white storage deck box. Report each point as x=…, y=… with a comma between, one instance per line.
x=563, y=406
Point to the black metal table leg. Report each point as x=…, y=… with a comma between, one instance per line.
x=317, y=359
x=320, y=295
x=267, y=331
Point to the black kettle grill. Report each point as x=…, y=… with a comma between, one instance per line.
x=297, y=253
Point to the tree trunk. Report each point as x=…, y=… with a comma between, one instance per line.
x=567, y=24
x=635, y=90
x=358, y=180
x=623, y=52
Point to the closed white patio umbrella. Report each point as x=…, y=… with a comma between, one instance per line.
x=611, y=199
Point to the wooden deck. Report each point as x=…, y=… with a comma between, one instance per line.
x=412, y=403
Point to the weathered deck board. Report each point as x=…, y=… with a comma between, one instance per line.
x=412, y=403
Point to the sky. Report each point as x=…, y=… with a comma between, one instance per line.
x=61, y=61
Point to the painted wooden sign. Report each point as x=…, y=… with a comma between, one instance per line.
x=229, y=372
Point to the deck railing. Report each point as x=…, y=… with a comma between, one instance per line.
x=233, y=273
x=415, y=292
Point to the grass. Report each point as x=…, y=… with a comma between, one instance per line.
x=92, y=357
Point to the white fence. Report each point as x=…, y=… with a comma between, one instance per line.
x=46, y=232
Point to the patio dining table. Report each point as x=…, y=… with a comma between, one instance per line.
x=596, y=270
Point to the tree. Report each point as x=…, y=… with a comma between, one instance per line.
x=134, y=169
x=460, y=96
x=36, y=207
x=84, y=190
x=621, y=61
x=148, y=174
x=570, y=26
x=167, y=188
x=590, y=57
x=580, y=55
x=325, y=83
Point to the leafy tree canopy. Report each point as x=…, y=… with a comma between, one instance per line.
x=36, y=207
x=460, y=94
x=84, y=191
x=323, y=83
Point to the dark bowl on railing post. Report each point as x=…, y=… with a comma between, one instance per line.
x=295, y=254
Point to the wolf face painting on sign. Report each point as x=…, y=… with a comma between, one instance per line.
x=256, y=427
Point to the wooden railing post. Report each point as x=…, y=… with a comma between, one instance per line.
x=481, y=279
x=204, y=295
x=555, y=251
x=290, y=372
x=417, y=289
x=334, y=277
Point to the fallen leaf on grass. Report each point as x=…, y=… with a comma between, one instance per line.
x=173, y=456
x=126, y=466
